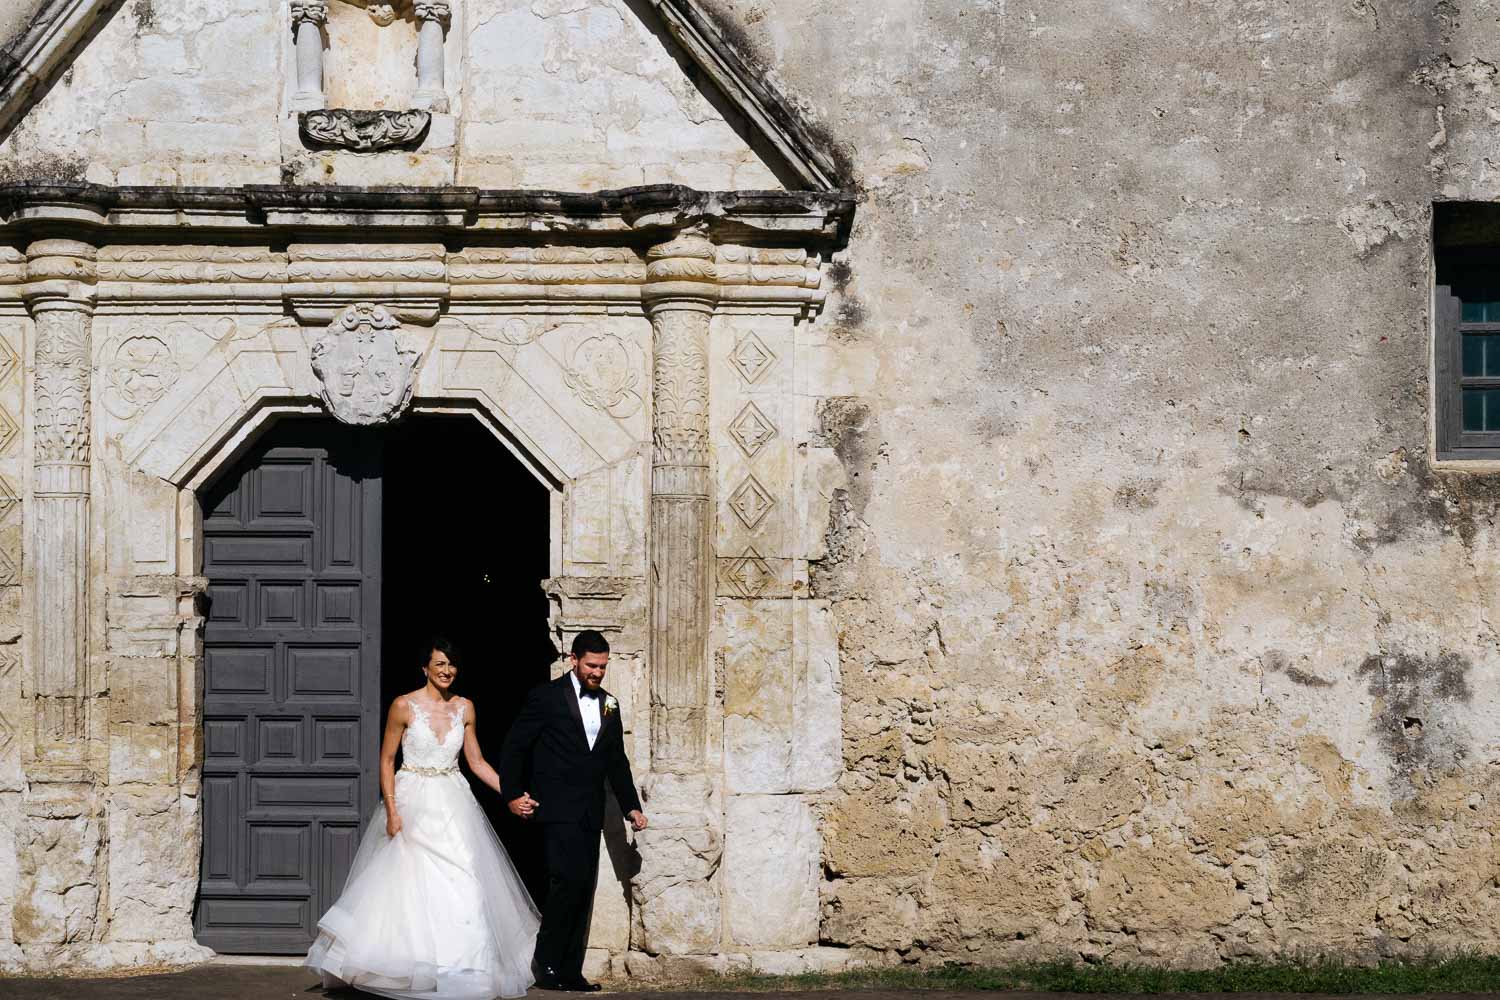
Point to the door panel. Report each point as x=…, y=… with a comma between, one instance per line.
x=291, y=683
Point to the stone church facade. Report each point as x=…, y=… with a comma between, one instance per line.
x=1030, y=459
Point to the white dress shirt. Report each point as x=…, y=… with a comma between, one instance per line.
x=589, y=708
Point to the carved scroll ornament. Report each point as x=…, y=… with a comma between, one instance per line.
x=365, y=369
x=363, y=131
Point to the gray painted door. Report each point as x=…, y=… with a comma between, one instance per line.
x=291, y=683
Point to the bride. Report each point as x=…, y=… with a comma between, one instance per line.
x=433, y=907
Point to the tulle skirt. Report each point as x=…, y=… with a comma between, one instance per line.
x=436, y=912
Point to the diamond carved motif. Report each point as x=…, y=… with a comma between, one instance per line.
x=748, y=575
x=10, y=362
x=10, y=432
x=9, y=660
x=751, y=502
x=752, y=358
x=751, y=430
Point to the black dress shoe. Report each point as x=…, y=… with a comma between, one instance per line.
x=546, y=979
x=580, y=985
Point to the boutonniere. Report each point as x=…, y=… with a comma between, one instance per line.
x=610, y=704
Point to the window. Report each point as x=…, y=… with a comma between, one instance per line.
x=1466, y=322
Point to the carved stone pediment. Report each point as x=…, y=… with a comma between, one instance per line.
x=364, y=369
x=363, y=131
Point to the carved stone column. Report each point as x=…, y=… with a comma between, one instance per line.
x=680, y=293
x=433, y=17
x=60, y=294
x=308, y=17
x=677, y=901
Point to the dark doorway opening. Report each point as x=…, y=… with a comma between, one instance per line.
x=466, y=539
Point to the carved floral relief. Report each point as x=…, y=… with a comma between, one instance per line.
x=364, y=131
x=680, y=390
x=605, y=374
x=142, y=370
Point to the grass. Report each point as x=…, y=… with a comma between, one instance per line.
x=1462, y=974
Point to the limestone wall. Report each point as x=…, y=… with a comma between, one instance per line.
x=552, y=94
x=1161, y=637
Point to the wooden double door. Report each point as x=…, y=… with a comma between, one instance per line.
x=291, y=675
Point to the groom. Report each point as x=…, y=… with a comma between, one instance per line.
x=566, y=742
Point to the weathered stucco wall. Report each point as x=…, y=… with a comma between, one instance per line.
x=1161, y=638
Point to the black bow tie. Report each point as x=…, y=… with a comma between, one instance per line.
x=584, y=692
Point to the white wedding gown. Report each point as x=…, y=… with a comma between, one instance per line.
x=437, y=911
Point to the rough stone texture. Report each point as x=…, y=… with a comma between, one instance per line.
x=1161, y=637
x=1081, y=572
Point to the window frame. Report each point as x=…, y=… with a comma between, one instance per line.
x=1453, y=442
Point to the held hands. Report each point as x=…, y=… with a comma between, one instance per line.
x=637, y=820
x=392, y=823
x=524, y=806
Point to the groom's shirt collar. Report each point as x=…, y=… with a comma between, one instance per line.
x=578, y=686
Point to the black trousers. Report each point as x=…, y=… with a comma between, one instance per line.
x=572, y=852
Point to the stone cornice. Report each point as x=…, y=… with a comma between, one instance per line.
x=421, y=251
x=792, y=218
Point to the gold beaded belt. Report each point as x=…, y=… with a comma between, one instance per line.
x=430, y=772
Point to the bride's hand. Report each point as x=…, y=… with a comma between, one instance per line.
x=392, y=823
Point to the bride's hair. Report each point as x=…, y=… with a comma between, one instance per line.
x=440, y=644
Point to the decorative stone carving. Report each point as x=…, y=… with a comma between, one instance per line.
x=9, y=661
x=751, y=358
x=142, y=371
x=679, y=294
x=751, y=502
x=433, y=17
x=308, y=17
x=382, y=14
x=10, y=533
x=747, y=575
x=603, y=372
x=364, y=367
x=314, y=11
x=680, y=915
x=752, y=430
x=61, y=299
x=364, y=131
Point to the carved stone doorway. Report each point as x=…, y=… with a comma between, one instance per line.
x=332, y=554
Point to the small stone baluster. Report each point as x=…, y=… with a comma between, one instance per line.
x=308, y=17
x=433, y=17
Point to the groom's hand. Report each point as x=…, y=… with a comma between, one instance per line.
x=637, y=820
x=524, y=806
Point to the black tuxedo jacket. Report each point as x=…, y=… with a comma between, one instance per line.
x=547, y=754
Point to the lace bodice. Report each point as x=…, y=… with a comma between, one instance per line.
x=434, y=737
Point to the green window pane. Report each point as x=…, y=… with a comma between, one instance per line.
x=1481, y=354
x=1474, y=312
x=1482, y=409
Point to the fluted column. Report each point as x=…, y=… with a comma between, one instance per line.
x=308, y=18
x=677, y=900
x=60, y=295
x=432, y=20
x=679, y=294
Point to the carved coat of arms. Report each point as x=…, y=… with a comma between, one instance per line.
x=364, y=367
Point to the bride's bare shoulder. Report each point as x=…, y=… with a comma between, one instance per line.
x=402, y=706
